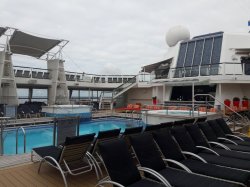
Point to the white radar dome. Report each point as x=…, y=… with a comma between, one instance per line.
x=176, y=34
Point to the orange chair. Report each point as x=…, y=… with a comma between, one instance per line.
x=172, y=107
x=130, y=106
x=243, y=108
x=202, y=109
x=212, y=110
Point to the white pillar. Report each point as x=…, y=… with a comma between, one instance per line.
x=8, y=91
x=58, y=92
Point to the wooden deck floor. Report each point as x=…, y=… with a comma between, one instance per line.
x=26, y=175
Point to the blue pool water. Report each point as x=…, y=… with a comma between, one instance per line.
x=43, y=135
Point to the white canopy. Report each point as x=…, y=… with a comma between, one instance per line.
x=26, y=44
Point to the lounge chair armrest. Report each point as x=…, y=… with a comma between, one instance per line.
x=178, y=164
x=227, y=140
x=219, y=144
x=155, y=174
x=194, y=155
x=236, y=137
x=241, y=134
x=208, y=149
x=100, y=183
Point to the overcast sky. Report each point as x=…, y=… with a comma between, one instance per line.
x=118, y=36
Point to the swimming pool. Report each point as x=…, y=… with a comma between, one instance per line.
x=37, y=136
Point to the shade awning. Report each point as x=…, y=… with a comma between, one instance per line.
x=242, y=51
x=151, y=67
x=2, y=30
x=26, y=44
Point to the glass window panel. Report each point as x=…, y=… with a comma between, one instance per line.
x=207, y=51
x=189, y=59
x=216, y=50
x=181, y=56
x=215, y=60
x=180, y=62
x=197, y=57
x=189, y=55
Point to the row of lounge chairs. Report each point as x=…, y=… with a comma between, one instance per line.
x=77, y=155
x=30, y=109
x=178, y=146
x=156, y=147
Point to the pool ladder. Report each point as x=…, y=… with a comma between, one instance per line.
x=24, y=139
x=132, y=116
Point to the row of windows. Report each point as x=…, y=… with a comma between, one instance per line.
x=200, y=51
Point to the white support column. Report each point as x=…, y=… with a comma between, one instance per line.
x=218, y=94
x=2, y=55
x=8, y=91
x=58, y=92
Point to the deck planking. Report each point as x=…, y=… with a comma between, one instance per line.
x=27, y=175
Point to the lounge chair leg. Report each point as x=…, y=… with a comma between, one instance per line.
x=58, y=167
x=40, y=165
x=31, y=156
x=96, y=163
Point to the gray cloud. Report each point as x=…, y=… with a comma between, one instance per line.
x=117, y=36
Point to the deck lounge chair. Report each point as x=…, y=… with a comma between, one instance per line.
x=170, y=150
x=134, y=130
x=211, y=136
x=200, y=140
x=153, y=127
x=187, y=145
x=72, y=158
x=200, y=119
x=228, y=131
x=220, y=133
x=103, y=136
x=222, y=136
x=184, y=121
x=121, y=169
x=131, y=131
x=167, y=124
x=149, y=156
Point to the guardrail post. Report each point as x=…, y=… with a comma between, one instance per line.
x=54, y=132
x=2, y=145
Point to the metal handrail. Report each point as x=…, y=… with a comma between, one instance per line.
x=24, y=139
x=133, y=80
x=235, y=112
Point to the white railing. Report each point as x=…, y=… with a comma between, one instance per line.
x=40, y=73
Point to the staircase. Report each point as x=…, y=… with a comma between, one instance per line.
x=124, y=87
x=105, y=100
